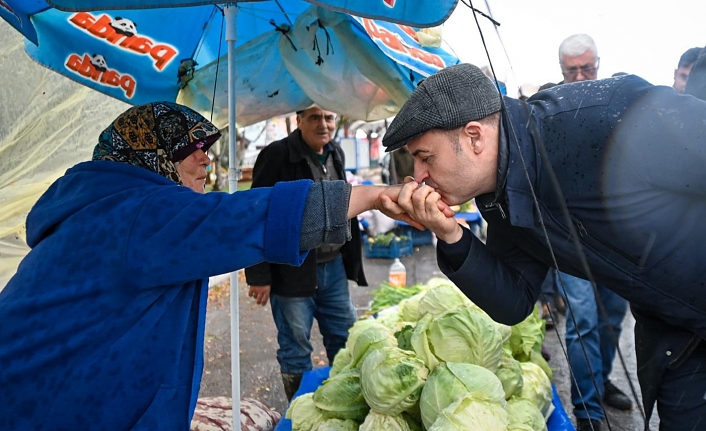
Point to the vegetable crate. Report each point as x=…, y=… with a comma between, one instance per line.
x=397, y=248
x=419, y=237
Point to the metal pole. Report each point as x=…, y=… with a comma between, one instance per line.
x=231, y=14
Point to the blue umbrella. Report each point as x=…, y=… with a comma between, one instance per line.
x=282, y=56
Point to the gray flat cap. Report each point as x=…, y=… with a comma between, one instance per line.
x=448, y=99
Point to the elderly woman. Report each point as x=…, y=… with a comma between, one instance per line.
x=102, y=326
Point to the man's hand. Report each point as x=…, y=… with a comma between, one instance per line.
x=384, y=198
x=423, y=204
x=260, y=293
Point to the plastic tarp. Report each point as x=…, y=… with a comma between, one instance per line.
x=47, y=124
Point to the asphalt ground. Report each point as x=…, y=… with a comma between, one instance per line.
x=259, y=371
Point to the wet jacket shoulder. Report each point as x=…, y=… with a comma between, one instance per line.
x=286, y=160
x=629, y=157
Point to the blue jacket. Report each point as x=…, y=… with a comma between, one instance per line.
x=102, y=326
x=629, y=158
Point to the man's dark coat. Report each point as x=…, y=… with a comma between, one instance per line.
x=286, y=160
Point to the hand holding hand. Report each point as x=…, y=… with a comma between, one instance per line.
x=423, y=204
x=260, y=293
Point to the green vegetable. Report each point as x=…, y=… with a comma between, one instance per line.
x=450, y=381
x=536, y=387
x=466, y=335
x=341, y=361
x=442, y=298
x=470, y=414
x=510, y=375
x=340, y=396
x=523, y=412
x=388, y=295
x=304, y=414
x=404, y=337
x=420, y=343
x=338, y=425
x=392, y=380
x=378, y=422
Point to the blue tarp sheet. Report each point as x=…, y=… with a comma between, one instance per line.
x=558, y=421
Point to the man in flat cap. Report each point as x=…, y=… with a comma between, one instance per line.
x=600, y=179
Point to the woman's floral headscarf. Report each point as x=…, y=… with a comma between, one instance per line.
x=156, y=136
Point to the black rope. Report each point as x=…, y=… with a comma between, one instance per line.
x=284, y=29
x=319, y=59
x=218, y=61
x=572, y=229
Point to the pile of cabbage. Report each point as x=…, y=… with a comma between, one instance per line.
x=437, y=362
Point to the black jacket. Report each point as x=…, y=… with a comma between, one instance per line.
x=630, y=159
x=286, y=160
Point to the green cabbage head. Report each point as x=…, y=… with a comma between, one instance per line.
x=340, y=396
x=367, y=338
x=466, y=335
x=450, y=381
x=304, y=414
x=420, y=342
x=340, y=361
x=378, y=422
x=442, y=298
x=521, y=411
x=338, y=425
x=470, y=414
x=536, y=387
x=392, y=380
x=510, y=375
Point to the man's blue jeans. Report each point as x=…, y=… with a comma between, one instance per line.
x=597, y=340
x=333, y=310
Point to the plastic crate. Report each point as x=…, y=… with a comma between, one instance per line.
x=419, y=237
x=403, y=247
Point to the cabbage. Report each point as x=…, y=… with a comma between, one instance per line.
x=378, y=421
x=536, y=387
x=470, y=414
x=536, y=358
x=466, y=335
x=304, y=414
x=510, y=375
x=408, y=308
x=505, y=331
x=367, y=338
x=404, y=338
x=340, y=361
x=450, y=381
x=442, y=298
x=338, y=425
x=392, y=380
x=521, y=411
x=420, y=343
x=527, y=335
x=340, y=396
x=438, y=281
x=519, y=427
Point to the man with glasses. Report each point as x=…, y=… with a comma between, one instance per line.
x=319, y=287
x=578, y=58
x=579, y=61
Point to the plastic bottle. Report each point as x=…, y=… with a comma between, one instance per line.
x=398, y=274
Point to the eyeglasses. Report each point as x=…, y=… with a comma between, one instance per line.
x=586, y=70
x=316, y=118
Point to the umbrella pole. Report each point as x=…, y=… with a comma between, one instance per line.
x=231, y=13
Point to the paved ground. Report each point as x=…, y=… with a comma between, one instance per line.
x=260, y=377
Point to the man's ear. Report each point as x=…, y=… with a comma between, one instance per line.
x=475, y=131
x=299, y=120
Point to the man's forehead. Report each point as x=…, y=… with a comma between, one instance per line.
x=588, y=56
x=317, y=110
